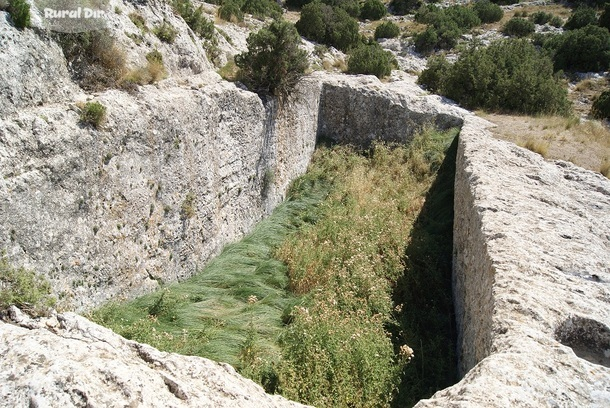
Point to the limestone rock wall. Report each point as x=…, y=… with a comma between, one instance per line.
x=67, y=361
x=531, y=279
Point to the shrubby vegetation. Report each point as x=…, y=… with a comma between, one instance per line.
x=585, y=49
x=581, y=17
x=194, y=18
x=604, y=18
x=445, y=26
x=402, y=7
x=518, y=27
x=328, y=25
x=262, y=8
x=372, y=10
x=24, y=289
x=387, y=29
x=509, y=75
x=487, y=11
x=20, y=13
x=601, y=106
x=95, y=60
x=166, y=32
x=371, y=59
x=230, y=11
x=94, y=114
x=273, y=62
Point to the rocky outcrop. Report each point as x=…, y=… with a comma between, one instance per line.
x=65, y=360
x=531, y=279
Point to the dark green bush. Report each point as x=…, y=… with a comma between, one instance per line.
x=487, y=11
x=273, y=62
x=541, y=17
x=372, y=10
x=262, y=8
x=581, y=17
x=426, y=41
x=297, y=3
x=433, y=76
x=402, y=7
x=20, y=13
x=601, y=106
x=230, y=11
x=444, y=35
x=328, y=25
x=604, y=18
x=556, y=21
x=465, y=17
x=509, y=75
x=352, y=7
x=585, y=49
x=371, y=59
x=94, y=114
x=519, y=27
x=387, y=29
x=166, y=32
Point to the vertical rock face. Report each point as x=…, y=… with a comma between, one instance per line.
x=67, y=361
x=531, y=279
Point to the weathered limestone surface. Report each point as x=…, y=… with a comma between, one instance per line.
x=67, y=361
x=531, y=279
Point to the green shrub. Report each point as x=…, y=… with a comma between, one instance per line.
x=519, y=27
x=328, y=25
x=585, y=49
x=541, y=17
x=273, y=62
x=262, y=8
x=426, y=41
x=509, y=75
x=166, y=32
x=20, y=13
x=487, y=11
x=402, y=7
x=351, y=7
x=601, y=106
x=230, y=11
x=444, y=35
x=371, y=59
x=94, y=114
x=154, y=56
x=297, y=3
x=195, y=19
x=581, y=17
x=372, y=10
x=465, y=17
x=433, y=76
x=604, y=18
x=387, y=29
x=556, y=21
x=24, y=289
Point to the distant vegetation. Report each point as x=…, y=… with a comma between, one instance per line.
x=20, y=13
x=371, y=59
x=387, y=29
x=328, y=25
x=509, y=75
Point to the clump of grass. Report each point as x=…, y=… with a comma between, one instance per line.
x=24, y=289
x=166, y=32
x=94, y=114
x=154, y=71
x=537, y=146
x=20, y=13
x=230, y=71
x=138, y=20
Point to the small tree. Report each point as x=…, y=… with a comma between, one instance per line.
x=581, y=17
x=273, y=63
x=585, y=49
x=230, y=11
x=387, y=29
x=328, y=25
x=519, y=27
x=372, y=10
x=371, y=59
x=488, y=12
x=601, y=106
